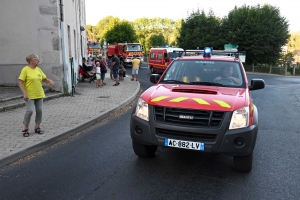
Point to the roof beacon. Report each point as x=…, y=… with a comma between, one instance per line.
x=207, y=52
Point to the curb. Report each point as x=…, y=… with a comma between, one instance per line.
x=21, y=104
x=38, y=147
x=13, y=98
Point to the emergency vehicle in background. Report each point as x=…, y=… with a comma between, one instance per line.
x=160, y=58
x=94, y=48
x=125, y=52
x=201, y=102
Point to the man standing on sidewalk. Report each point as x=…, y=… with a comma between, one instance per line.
x=115, y=67
x=136, y=63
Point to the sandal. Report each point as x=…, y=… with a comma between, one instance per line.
x=25, y=133
x=115, y=84
x=38, y=131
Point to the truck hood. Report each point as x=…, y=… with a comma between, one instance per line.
x=196, y=97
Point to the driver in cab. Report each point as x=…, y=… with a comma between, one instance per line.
x=226, y=73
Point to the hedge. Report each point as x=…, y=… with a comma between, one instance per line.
x=275, y=70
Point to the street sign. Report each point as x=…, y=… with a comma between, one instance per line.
x=230, y=46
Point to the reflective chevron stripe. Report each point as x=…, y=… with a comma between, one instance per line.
x=198, y=100
x=179, y=99
x=201, y=101
x=222, y=103
x=159, y=98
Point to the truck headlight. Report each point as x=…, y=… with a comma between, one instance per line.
x=240, y=118
x=141, y=110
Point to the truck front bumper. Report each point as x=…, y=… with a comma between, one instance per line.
x=232, y=142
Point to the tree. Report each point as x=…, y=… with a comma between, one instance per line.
x=200, y=30
x=154, y=41
x=146, y=28
x=91, y=33
x=105, y=25
x=260, y=31
x=121, y=32
x=294, y=46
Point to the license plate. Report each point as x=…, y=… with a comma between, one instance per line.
x=184, y=144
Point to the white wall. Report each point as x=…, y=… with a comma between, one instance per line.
x=33, y=26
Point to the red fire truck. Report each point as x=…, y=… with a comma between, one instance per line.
x=94, y=48
x=125, y=51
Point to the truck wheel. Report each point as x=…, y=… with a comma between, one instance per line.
x=143, y=150
x=243, y=163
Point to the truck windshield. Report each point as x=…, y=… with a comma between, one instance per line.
x=134, y=47
x=94, y=46
x=203, y=72
x=173, y=55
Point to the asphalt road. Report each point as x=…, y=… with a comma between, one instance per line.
x=100, y=163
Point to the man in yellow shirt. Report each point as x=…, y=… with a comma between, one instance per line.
x=136, y=63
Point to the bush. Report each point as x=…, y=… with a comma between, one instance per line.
x=297, y=71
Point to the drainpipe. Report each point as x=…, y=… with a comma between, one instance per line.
x=63, y=45
x=80, y=29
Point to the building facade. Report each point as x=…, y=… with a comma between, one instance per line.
x=52, y=29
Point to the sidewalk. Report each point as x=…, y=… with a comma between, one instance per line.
x=62, y=115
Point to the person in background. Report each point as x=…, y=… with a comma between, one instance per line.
x=136, y=63
x=98, y=74
x=122, y=71
x=90, y=63
x=103, y=67
x=84, y=64
x=115, y=68
x=110, y=67
x=30, y=83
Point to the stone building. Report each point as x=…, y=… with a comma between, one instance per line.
x=52, y=29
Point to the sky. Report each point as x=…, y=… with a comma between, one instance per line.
x=134, y=9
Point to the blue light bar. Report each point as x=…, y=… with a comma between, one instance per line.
x=207, y=52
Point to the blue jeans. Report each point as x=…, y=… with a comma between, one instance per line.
x=115, y=72
x=102, y=76
x=30, y=104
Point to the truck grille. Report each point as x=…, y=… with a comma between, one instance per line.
x=190, y=118
x=171, y=133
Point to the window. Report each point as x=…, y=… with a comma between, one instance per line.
x=207, y=71
x=75, y=45
x=69, y=42
x=152, y=56
x=159, y=56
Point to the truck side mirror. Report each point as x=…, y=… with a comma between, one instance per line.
x=257, y=84
x=154, y=78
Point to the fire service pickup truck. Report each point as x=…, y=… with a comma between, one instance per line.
x=201, y=102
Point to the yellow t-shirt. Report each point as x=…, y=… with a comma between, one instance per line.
x=136, y=63
x=33, y=82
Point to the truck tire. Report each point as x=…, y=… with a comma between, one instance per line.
x=143, y=150
x=243, y=163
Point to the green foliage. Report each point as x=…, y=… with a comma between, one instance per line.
x=154, y=41
x=260, y=31
x=146, y=28
x=91, y=33
x=200, y=30
x=297, y=71
x=104, y=25
x=121, y=32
